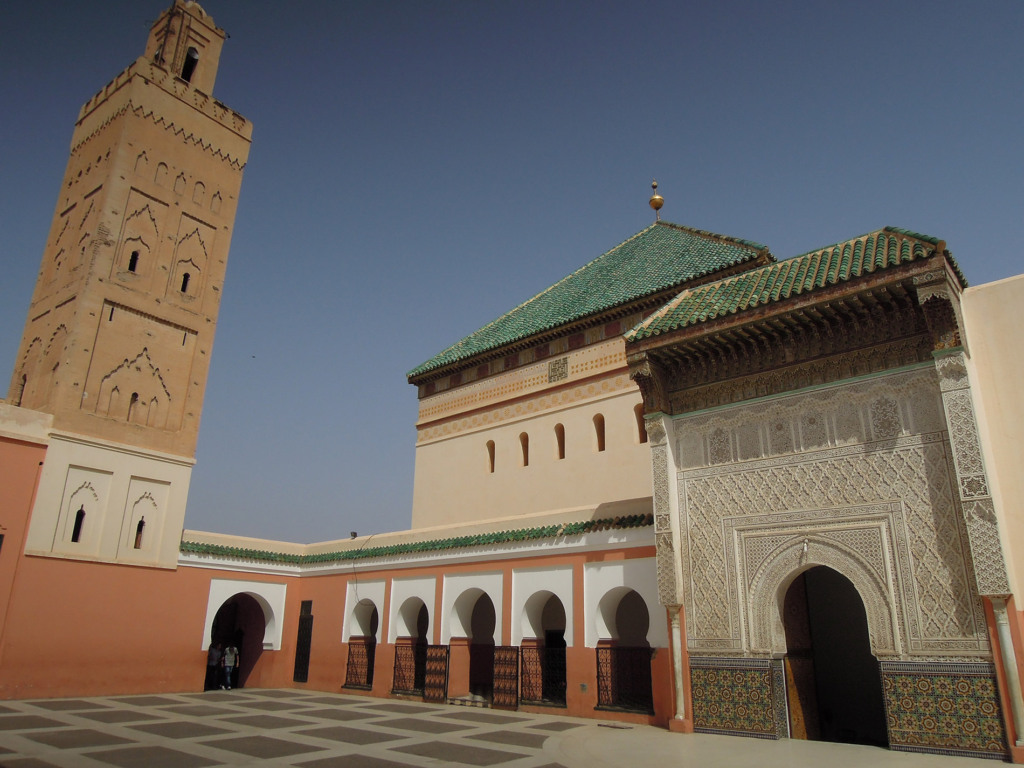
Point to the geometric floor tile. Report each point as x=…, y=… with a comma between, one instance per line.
x=62, y=705
x=348, y=735
x=402, y=709
x=556, y=725
x=76, y=738
x=262, y=746
x=341, y=713
x=349, y=761
x=152, y=757
x=513, y=738
x=178, y=730
x=145, y=701
x=25, y=722
x=264, y=722
x=484, y=717
x=118, y=716
x=427, y=725
x=459, y=753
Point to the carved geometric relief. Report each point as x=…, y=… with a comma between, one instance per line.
x=809, y=488
x=140, y=234
x=191, y=256
x=139, y=370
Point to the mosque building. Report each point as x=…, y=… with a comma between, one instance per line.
x=689, y=485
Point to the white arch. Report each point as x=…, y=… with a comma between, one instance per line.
x=269, y=597
x=402, y=590
x=528, y=582
x=460, y=595
x=605, y=584
x=361, y=598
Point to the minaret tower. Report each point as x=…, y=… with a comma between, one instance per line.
x=120, y=330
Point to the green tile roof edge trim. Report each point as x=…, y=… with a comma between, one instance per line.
x=432, y=545
x=492, y=336
x=814, y=270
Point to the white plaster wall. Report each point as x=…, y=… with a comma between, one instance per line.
x=527, y=582
x=114, y=483
x=454, y=625
x=992, y=319
x=405, y=589
x=271, y=598
x=639, y=575
x=356, y=592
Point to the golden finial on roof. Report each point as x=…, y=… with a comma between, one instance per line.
x=656, y=201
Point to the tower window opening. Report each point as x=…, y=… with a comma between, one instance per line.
x=524, y=441
x=599, y=431
x=76, y=532
x=132, y=404
x=184, y=282
x=490, y=457
x=21, y=389
x=641, y=425
x=111, y=315
x=133, y=261
x=189, y=68
x=559, y=441
x=138, y=532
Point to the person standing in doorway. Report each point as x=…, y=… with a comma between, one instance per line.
x=229, y=661
x=213, y=666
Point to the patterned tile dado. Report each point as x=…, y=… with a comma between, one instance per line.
x=949, y=709
x=742, y=697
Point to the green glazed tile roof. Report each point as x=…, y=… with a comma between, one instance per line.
x=432, y=545
x=828, y=266
x=659, y=257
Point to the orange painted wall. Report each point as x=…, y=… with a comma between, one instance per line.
x=84, y=629
x=20, y=464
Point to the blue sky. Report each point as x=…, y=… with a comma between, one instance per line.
x=418, y=168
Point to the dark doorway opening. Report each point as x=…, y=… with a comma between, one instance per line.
x=240, y=622
x=481, y=649
x=834, y=686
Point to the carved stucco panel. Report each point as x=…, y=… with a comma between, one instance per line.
x=875, y=459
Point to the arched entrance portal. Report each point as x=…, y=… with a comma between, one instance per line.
x=362, y=646
x=240, y=622
x=543, y=650
x=411, y=647
x=481, y=649
x=834, y=687
x=624, y=653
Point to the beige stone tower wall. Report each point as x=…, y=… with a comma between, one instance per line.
x=120, y=328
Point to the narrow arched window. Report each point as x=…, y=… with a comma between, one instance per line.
x=138, y=532
x=641, y=425
x=133, y=261
x=490, y=456
x=559, y=441
x=76, y=532
x=189, y=68
x=524, y=441
x=21, y=389
x=184, y=282
x=132, y=404
x=599, y=431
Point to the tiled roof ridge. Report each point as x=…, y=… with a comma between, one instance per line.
x=431, y=545
x=793, y=276
x=469, y=345
x=709, y=235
